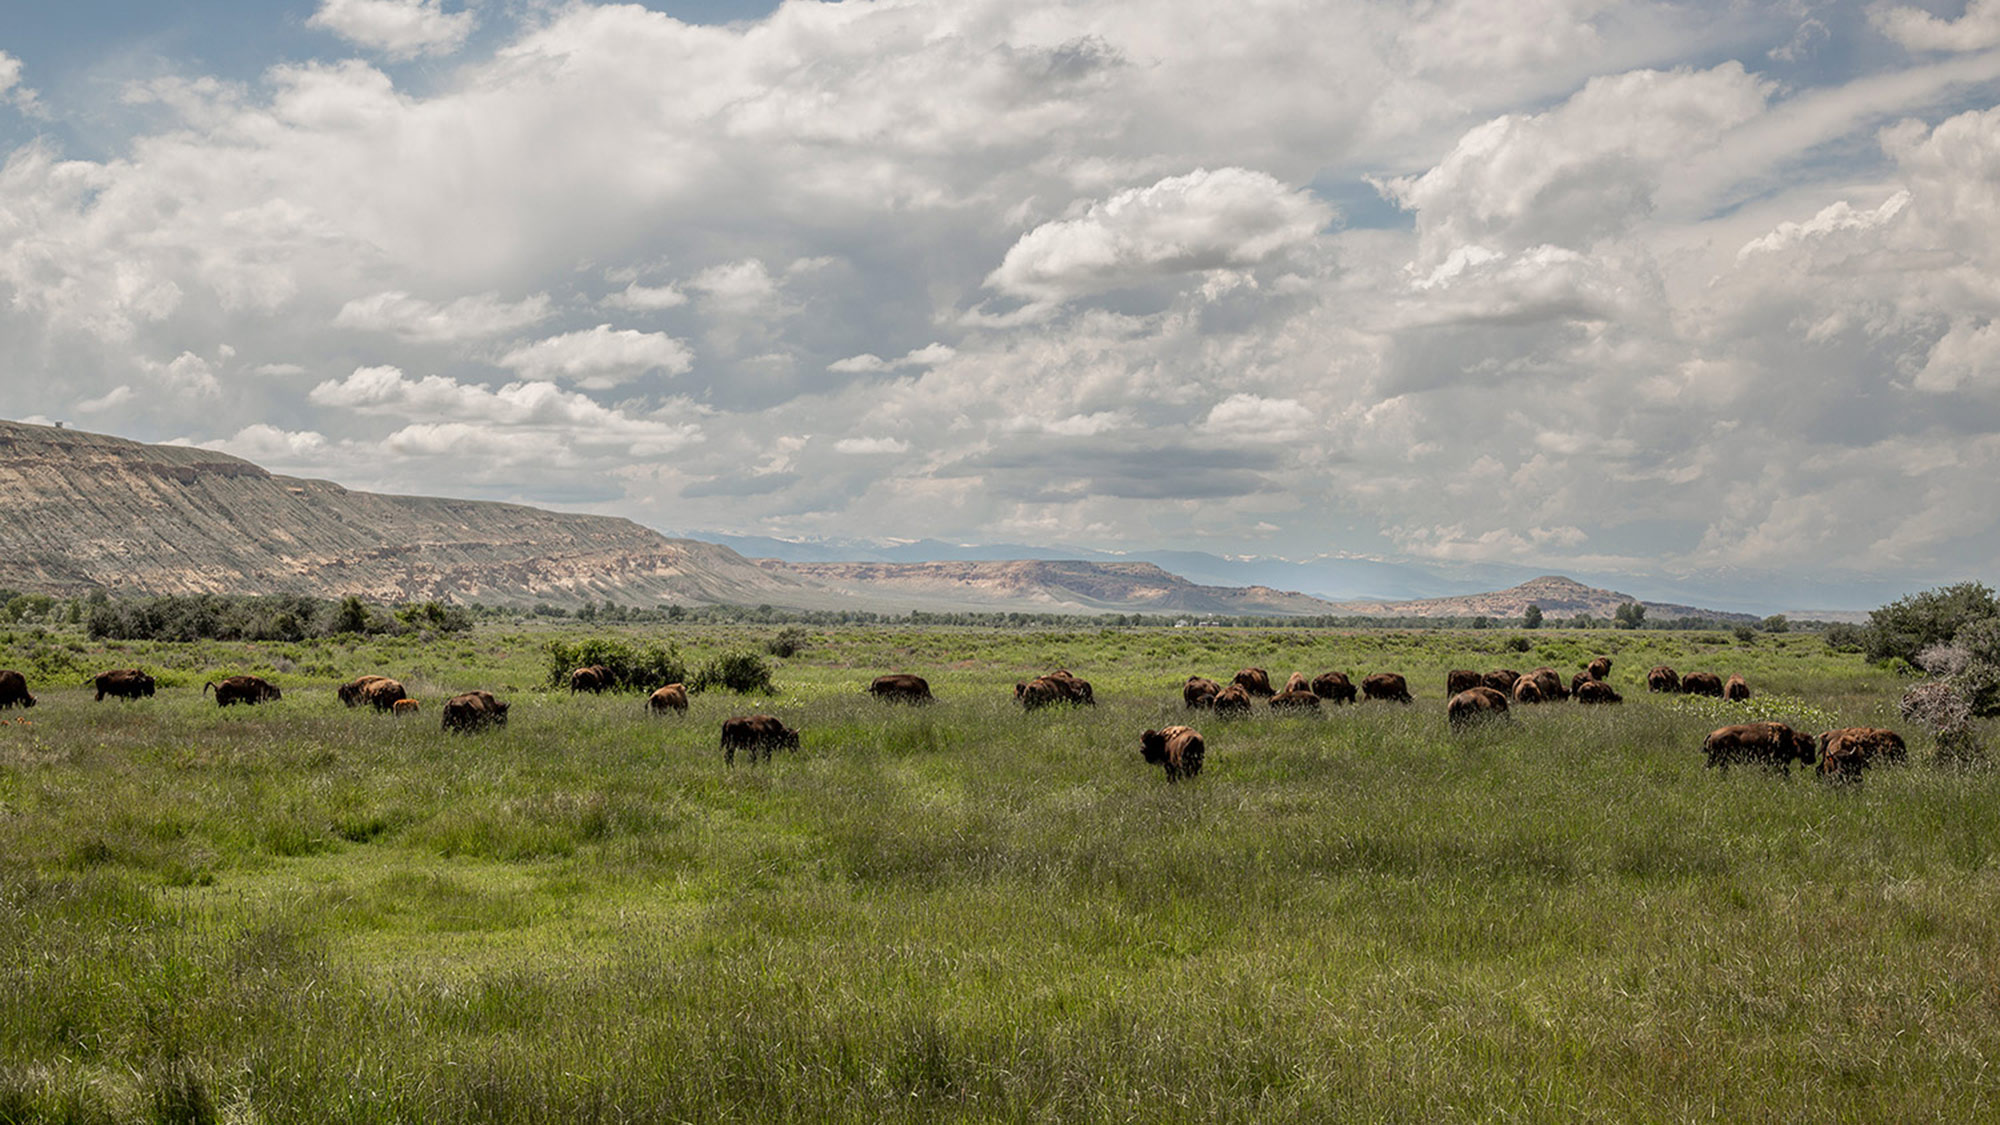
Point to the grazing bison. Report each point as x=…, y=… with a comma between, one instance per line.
x=1199, y=692
x=1475, y=704
x=1386, y=685
x=242, y=689
x=350, y=692
x=381, y=693
x=1178, y=749
x=1292, y=700
x=1459, y=679
x=1597, y=691
x=901, y=687
x=1578, y=680
x=14, y=690
x=1256, y=681
x=1599, y=668
x=1231, y=701
x=1501, y=680
x=673, y=697
x=1297, y=682
x=125, y=683
x=403, y=708
x=593, y=678
x=1551, y=683
x=1663, y=678
x=1702, y=683
x=1772, y=745
x=1528, y=689
x=1736, y=688
x=1334, y=686
x=472, y=711
x=1845, y=753
x=755, y=734
x=1058, y=686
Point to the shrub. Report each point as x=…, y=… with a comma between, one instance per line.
x=1745, y=635
x=1520, y=644
x=633, y=667
x=789, y=642
x=740, y=672
x=1908, y=625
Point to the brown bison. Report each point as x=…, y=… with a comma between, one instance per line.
x=1177, y=749
x=1551, y=683
x=242, y=689
x=125, y=683
x=1459, y=679
x=1599, y=668
x=1475, y=704
x=1736, y=688
x=1334, y=686
x=1386, y=685
x=901, y=687
x=1501, y=680
x=1256, y=681
x=673, y=697
x=1232, y=700
x=1297, y=682
x=1597, y=691
x=404, y=707
x=14, y=690
x=1767, y=744
x=472, y=711
x=350, y=692
x=755, y=734
x=593, y=678
x=379, y=692
x=1294, y=700
x=1663, y=678
x=1578, y=680
x=1058, y=686
x=1845, y=753
x=1702, y=683
x=1199, y=692
x=1528, y=689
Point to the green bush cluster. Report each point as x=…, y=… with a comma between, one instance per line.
x=740, y=672
x=634, y=667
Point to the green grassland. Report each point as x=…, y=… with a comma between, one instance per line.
x=298, y=912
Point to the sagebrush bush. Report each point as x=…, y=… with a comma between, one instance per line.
x=634, y=667
x=740, y=672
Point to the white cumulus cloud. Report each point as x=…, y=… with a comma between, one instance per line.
x=400, y=29
x=600, y=357
x=1229, y=218
x=419, y=321
x=1977, y=29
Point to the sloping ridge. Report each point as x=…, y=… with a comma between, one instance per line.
x=88, y=511
x=1056, y=586
x=1557, y=596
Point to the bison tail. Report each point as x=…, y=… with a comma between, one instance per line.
x=208, y=687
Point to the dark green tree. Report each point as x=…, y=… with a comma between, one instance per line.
x=1532, y=619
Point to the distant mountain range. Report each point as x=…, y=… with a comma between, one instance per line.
x=92, y=512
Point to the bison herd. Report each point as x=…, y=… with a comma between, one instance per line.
x=1473, y=698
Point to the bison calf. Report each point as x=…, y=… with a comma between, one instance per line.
x=1178, y=750
x=755, y=734
x=403, y=708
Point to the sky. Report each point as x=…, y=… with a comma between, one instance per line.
x=1694, y=290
